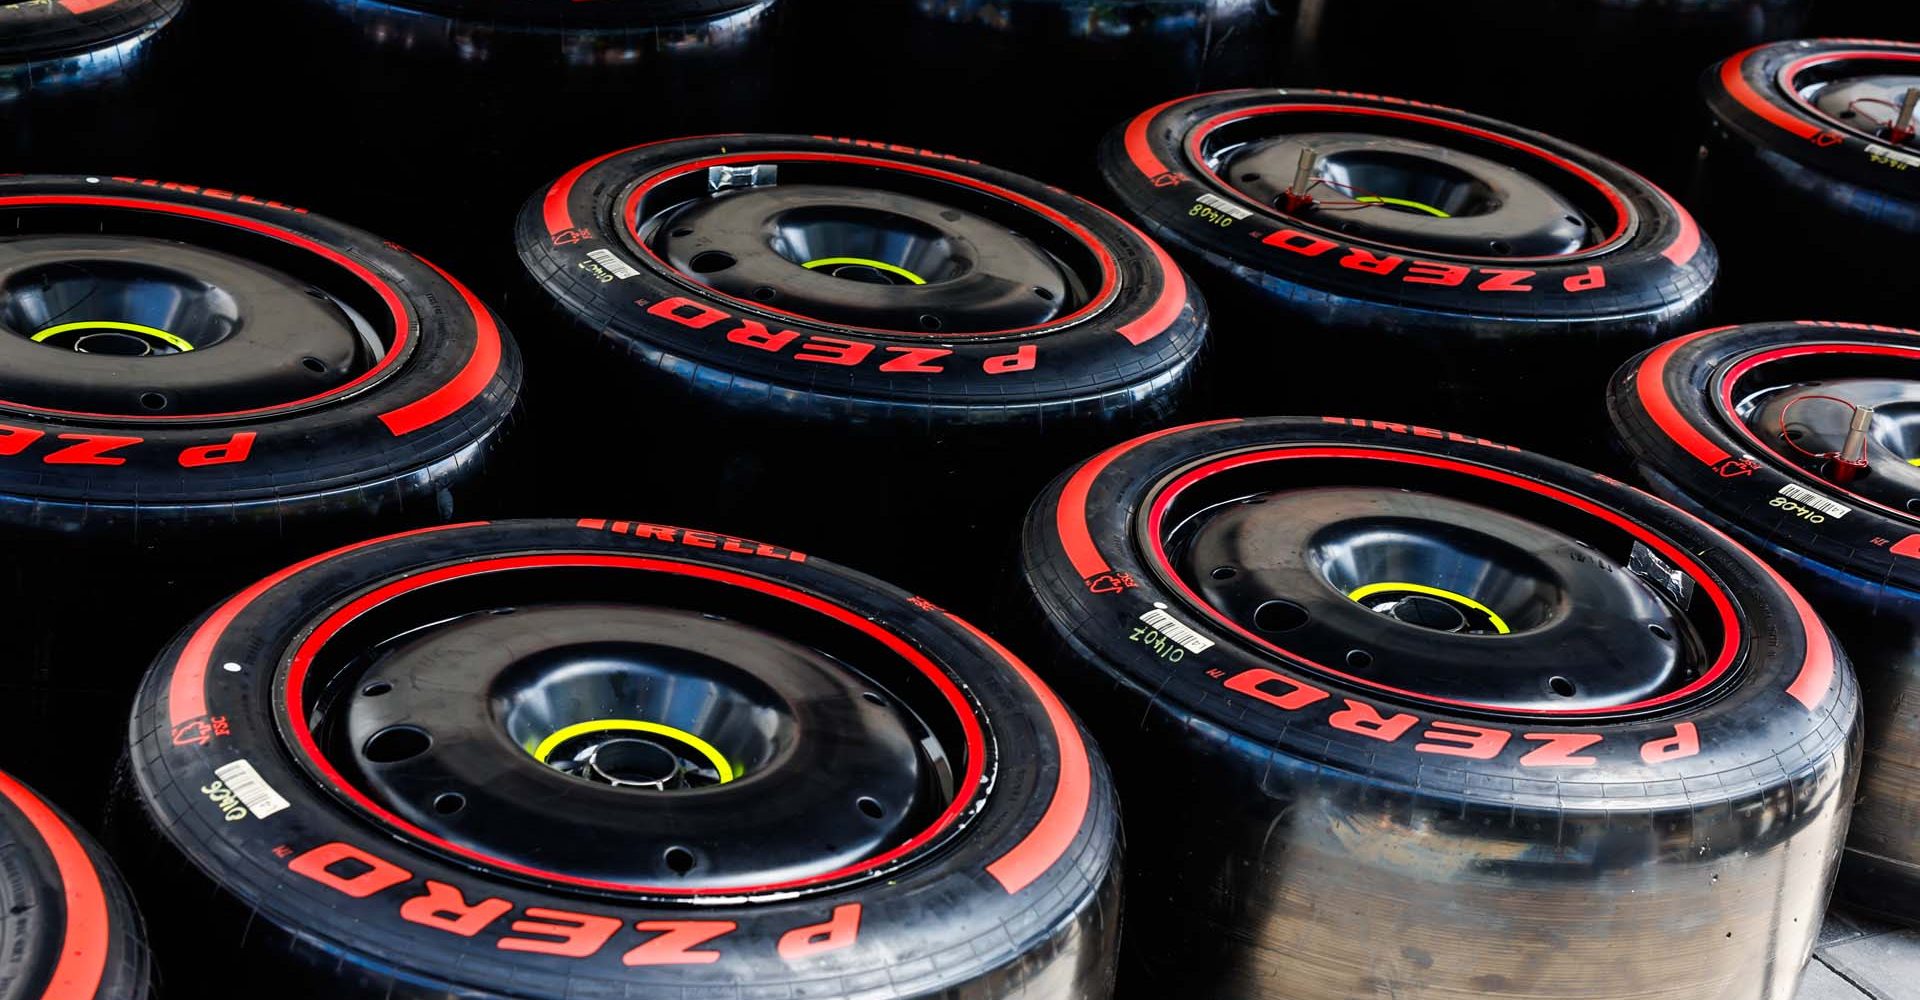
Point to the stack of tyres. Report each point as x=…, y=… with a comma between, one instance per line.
x=195, y=385
x=1557, y=67
x=1809, y=177
x=876, y=352
x=1799, y=438
x=992, y=77
x=82, y=82
x=552, y=759
x=431, y=115
x=1444, y=718
x=68, y=926
x=1391, y=258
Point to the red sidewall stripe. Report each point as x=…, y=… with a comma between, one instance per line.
x=1733, y=78
x=1109, y=269
x=86, y=6
x=403, y=332
x=1173, y=292
x=187, y=687
x=472, y=380
x=1070, y=516
x=1729, y=621
x=87, y=938
x=1047, y=842
x=1650, y=385
x=304, y=742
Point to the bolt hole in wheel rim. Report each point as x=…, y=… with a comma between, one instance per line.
x=1441, y=582
x=868, y=245
x=1799, y=404
x=1412, y=182
x=1865, y=92
x=149, y=314
x=636, y=731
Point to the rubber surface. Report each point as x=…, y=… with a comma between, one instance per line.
x=1859, y=568
x=68, y=930
x=907, y=424
x=1813, y=213
x=1022, y=902
x=1498, y=345
x=1335, y=841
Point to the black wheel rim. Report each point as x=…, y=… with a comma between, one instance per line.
x=1859, y=91
x=1451, y=589
x=1412, y=182
x=868, y=245
x=149, y=314
x=704, y=740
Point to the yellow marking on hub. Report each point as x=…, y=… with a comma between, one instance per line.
x=1374, y=199
x=878, y=265
x=157, y=334
x=546, y=747
x=1913, y=461
x=1361, y=593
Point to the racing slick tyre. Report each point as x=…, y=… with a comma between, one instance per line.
x=77, y=81
x=194, y=385
x=1550, y=66
x=513, y=88
x=1414, y=262
x=1808, y=178
x=831, y=336
x=985, y=60
x=1749, y=427
x=68, y=929
x=557, y=759
x=1512, y=716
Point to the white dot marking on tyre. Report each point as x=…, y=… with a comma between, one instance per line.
x=232, y=668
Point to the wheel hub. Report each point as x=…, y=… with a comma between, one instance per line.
x=867, y=258
x=675, y=748
x=1456, y=601
x=1410, y=193
x=235, y=334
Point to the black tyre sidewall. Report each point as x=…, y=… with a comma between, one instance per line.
x=966, y=927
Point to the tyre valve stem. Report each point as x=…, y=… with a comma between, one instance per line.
x=1902, y=129
x=1851, y=460
x=1296, y=196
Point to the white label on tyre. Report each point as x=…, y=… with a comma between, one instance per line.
x=252, y=790
x=1171, y=627
x=1892, y=157
x=606, y=258
x=1220, y=204
x=1815, y=500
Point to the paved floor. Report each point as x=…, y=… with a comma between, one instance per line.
x=1861, y=959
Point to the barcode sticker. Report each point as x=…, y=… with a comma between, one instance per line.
x=251, y=789
x=1220, y=204
x=1171, y=627
x=607, y=259
x=1811, y=499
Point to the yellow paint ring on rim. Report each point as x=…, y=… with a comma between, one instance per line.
x=154, y=332
x=1361, y=593
x=878, y=265
x=1375, y=199
x=546, y=747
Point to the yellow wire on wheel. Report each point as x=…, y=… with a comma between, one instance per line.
x=1361, y=593
x=546, y=747
x=1375, y=199
x=157, y=334
x=878, y=265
